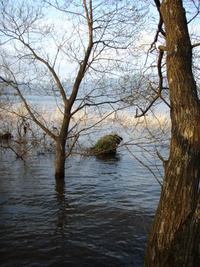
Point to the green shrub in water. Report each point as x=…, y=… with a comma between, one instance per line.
x=106, y=144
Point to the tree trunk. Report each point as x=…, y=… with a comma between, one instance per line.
x=60, y=147
x=60, y=160
x=174, y=239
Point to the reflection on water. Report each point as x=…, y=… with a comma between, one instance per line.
x=99, y=216
x=108, y=157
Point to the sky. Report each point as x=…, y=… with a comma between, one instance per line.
x=68, y=32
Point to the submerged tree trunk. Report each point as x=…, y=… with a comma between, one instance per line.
x=174, y=240
x=60, y=160
x=61, y=147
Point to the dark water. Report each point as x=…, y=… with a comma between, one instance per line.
x=100, y=217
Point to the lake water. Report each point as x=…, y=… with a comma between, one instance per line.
x=99, y=217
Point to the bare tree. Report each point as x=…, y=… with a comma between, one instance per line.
x=38, y=55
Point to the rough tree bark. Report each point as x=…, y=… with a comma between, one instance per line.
x=61, y=147
x=175, y=236
x=60, y=159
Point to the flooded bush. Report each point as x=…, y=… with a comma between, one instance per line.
x=106, y=145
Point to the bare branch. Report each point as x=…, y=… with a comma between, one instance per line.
x=8, y=146
x=160, y=24
x=143, y=112
x=145, y=165
x=64, y=10
x=72, y=146
x=158, y=92
x=15, y=86
x=84, y=63
x=95, y=105
x=195, y=45
x=51, y=69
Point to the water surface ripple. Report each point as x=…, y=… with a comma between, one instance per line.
x=99, y=217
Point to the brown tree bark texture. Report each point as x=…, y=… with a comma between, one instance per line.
x=61, y=146
x=174, y=239
x=60, y=159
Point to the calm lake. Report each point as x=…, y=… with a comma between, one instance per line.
x=99, y=217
